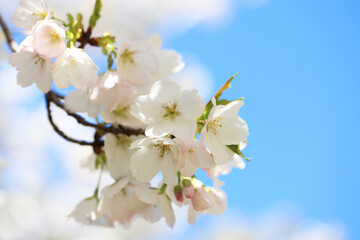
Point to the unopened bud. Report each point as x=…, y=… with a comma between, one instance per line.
x=199, y=200
x=178, y=193
x=189, y=191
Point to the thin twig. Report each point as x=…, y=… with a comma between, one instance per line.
x=56, y=128
x=55, y=98
x=9, y=39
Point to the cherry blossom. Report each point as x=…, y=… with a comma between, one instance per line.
x=32, y=69
x=136, y=62
x=118, y=154
x=79, y=101
x=29, y=13
x=168, y=110
x=85, y=211
x=49, y=38
x=193, y=155
x=75, y=67
x=153, y=155
x=160, y=201
x=143, y=122
x=224, y=127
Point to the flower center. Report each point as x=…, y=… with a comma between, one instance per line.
x=120, y=111
x=162, y=149
x=39, y=60
x=40, y=15
x=213, y=125
x=53, y=37
x=170, y=111
x=126, y=56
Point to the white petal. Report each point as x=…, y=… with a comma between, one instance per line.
x=168, y=170
x=118, y=155
x=191, y=105
x=233, y=131
x=165, y=92
x=229, y=110
x=167, y=211
x=145, y=164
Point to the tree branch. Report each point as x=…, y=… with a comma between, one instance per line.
x=9, y=39
x=53, y=97
x=119, y=129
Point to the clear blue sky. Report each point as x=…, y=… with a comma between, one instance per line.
x=299, y=70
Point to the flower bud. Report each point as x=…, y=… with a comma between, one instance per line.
x=178, y=193
x=188, y=188
x=199, y=200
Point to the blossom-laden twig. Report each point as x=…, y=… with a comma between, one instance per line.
x=53, y=97
x=145, y=122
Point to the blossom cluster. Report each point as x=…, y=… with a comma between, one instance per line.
x=182, y=133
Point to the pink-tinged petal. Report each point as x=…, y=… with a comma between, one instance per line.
x=200, y=200
x=189, y=167
x=49, y=38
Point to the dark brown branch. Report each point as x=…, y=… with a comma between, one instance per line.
x=9, y=39
x=56, y=128
x=55, y=98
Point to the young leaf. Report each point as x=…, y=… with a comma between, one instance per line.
x=96, y=14
x=236, y=149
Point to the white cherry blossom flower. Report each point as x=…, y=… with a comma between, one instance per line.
x=224, y=127
x=118, y=202
x=32, y=69
x=79, y=101
x=218, y=201
x=29, y=13
x=85, y=211
x=153, y=155
x=217, y=170
x=120, y=114
x=49, y=38
x=193, y=155
x=160, y=202
x=75, y=67
x=118, y=154
x=114, y=203
x=170, y=62
x=168, y=110
x=136, y=62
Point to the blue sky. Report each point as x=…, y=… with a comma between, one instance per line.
x=298, y=64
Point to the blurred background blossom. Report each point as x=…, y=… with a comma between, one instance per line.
x=299, y=74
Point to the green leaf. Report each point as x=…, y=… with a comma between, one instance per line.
x=162, y=189
x=236, y=149
x=96, y=14
x=224, y=87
